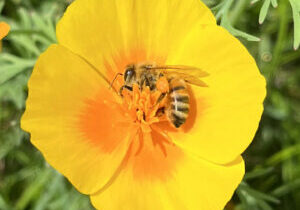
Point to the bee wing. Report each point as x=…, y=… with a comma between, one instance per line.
x=190, y=79
x=180, y=69
x=190, y=74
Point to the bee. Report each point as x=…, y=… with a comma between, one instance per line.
x=171, y=81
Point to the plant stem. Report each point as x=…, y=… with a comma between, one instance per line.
x=283, y=26
x=238, y=10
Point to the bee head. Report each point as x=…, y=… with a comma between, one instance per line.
x=130, y=74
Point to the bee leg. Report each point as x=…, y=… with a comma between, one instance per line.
x=145, y=81
x=161, y=97
x=160, y=112
x=124, y=86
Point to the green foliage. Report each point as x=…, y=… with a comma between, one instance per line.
x=223, y=8
x=272, y=180
x=295, y=4
x=264, y=10
x=223, y=13
x=296, y=15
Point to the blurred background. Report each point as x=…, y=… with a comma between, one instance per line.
x=270, y=29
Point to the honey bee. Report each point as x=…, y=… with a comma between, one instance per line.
x=171, y=81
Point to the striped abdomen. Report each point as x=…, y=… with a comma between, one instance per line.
x=179, y=102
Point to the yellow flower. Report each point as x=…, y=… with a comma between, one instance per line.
x=4, y=29
x=116, y=149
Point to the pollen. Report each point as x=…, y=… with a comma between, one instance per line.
x=146, y=108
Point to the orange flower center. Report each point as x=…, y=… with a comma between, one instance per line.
x=139, y=116
x=145, y=108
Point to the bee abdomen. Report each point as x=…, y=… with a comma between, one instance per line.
x=183, y=108
x=178, y=118
x=179, y=102
x=176, y=88
x=179, y=112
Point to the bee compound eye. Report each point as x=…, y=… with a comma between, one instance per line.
x=129, y=73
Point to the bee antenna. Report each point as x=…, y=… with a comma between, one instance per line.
x=111, y=84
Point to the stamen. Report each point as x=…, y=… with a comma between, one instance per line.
x=146, y=107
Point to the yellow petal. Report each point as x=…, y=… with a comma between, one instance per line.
x=227, y=112
x=102, y=30
x=4, y=29
x=71, y=120
x=192, y=184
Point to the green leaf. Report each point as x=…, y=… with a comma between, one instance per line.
x=218, y=6
x=9, y=70
x=14, y=90
x=2, y=3
x=226, y=24
x=24, y=18
x=258, y=172
x=245, y=35
x=34, y=189
x=223, y=11
x=287, y=188
x=297, y=4
x=254, y=1
x=248, y=202
x=10, y=137
x=3, y=204
x=258, y=195
x=284, y=154
x=263, y=205
x=52, y=190
x=26, y=42
x=45, y=26
x=264, y=11
x=274, y=3
x=296, y=16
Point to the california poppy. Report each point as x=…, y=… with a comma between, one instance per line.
x=4, y=29
x=126, y=158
